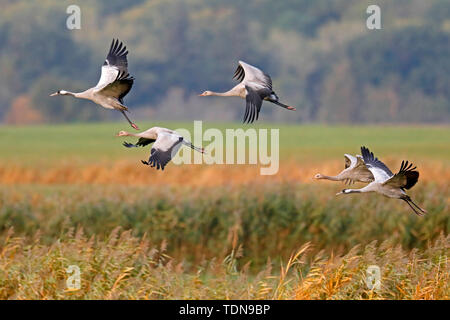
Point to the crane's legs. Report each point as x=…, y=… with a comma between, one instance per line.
x=281, y=104
x=128, y=119
x=417, y=210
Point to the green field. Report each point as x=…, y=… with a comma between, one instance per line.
x=96, y=142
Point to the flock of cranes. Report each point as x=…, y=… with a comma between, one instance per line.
x=254, y=86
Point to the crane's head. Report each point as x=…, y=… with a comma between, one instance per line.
x=59, y=93
x=122, y=134
x=318, y=176
x=205, y=93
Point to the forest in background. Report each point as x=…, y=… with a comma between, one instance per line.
x=320, y=54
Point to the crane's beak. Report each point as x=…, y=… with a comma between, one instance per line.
x=339, y=193
x=202, y=95
x=54, y=94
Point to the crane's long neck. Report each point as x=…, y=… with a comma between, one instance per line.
x=146, y=134
x=73, y=94
x=236, y=91
x=81, y=95
x=333, y=178
x=355, y=191
x=69, y=93
x=368, y=188
x=139, y=135
x=229, y=93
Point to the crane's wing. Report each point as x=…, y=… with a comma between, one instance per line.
x=361, y=171
x=379, y=170
x=406, y=177
x=115, y=63
x=360, y=160
x=164, y=149
x=142, y=142
x=356, y=170
x=119, y=88
x=350, y=161
x=253, y=103
x=248, y=73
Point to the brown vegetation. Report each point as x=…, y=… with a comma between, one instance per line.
x=128, y=172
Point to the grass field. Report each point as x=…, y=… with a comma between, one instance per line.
x=96, y=142
x=72, y=194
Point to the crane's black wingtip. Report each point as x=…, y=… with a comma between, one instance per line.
x=128, y=145
x=365, y=152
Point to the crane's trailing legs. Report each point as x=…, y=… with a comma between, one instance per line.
x=130, y=122
x=417, y=210
x=274, y=99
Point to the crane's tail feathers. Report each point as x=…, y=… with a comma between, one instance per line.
x=282, y=105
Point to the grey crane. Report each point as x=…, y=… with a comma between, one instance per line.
x=355, y=170
x=114, y=83
x=166, y=145
x=388, y=184
x=254, y=86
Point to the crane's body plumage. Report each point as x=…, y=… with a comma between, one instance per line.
x=254, y=86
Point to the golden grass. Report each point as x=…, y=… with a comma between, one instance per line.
x=121, y=266
x=126, y=172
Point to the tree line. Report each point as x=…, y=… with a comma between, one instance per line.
x=319, y=53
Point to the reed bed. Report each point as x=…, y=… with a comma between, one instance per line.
x=121, y=266
x=270, y=221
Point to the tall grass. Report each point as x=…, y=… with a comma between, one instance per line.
x=121, y=266
x=269, y=221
